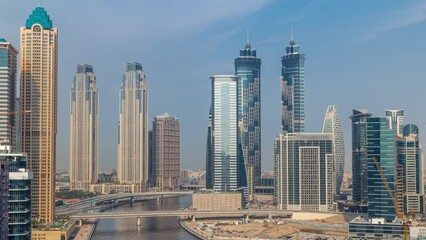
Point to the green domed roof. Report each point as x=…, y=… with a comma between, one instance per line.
x=39, y=15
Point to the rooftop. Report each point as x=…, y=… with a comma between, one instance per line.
x=39, y=16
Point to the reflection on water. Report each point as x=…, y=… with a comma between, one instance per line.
x=151, y=228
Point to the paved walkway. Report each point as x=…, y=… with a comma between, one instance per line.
x=86, y=231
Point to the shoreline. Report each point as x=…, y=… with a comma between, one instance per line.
x=191, y=231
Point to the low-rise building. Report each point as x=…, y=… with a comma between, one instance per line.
x=55, y=231
x=376, y=228
x=209, y=200
x=115, y=188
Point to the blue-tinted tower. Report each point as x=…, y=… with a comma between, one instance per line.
x=293, y=89
x=247, y=67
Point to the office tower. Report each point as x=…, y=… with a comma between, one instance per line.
x=304, y=178
x=293, y=89
x=133, y=128
x=332, y=125
x=19, y=190
x=84, y=129
x=247, y=67
x=151, y=168
x=4, y=200
x=381, y=146
x=8, y=71
x=39, y=84
x=410, y=159
x=209, y=155
x=166, y=152
x=17, y=142
x=224, y=111
x=395, y=120
x=359, y=155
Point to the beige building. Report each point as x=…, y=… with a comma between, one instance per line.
x=133, y=128
x=84, y=129
x=106, y=188
x=62, y=232
x=39, y=84
x=210, y=201
x=166, y=152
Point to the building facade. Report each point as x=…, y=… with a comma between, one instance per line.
x=247, y=67
x=166, y=152
x=410, y=159
x=224, y=112
x=18, y=208
x=8, y=81
x=4, y=201
x=360, y=228
x=209, y=155
x=332, y=125
x=359, y=155
x=395, y=120
x=381, y=146
x=293, y=89
x=133, y=127
x=304, y=172
x=84, y=129
x=38, y=93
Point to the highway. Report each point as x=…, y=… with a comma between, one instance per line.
x=85, y=205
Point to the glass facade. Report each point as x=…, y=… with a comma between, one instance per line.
x=332, y=125
x=380, y=145
x=247, y=68
x=304, y=166
x=19, y=195
x=225, y=132
x=395, y=120
x=362, y=229
x=359, y=155
x=293, y=89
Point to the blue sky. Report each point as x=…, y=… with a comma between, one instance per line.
x=359, y=54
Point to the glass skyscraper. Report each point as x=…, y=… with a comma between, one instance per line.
x=8, y=81
x=380, y=145
x=84, y=129
x=293, y=89
x=247, y=67
x=359, y=155
x=39, y=86
x=332, y=125
x=410, y=159
x=304, y=171
x=133, y=128
x=224, y=128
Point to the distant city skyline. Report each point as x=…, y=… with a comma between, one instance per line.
x=207, y=45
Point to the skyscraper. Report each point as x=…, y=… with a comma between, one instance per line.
x=84, y=129
x=4, y=200
x=133, y=128
x=8, y=72
x=359, y=155
x=224, y=111
x=166, y=152
x=410, y=159
x=209, y=155
x=380, y=145
x=304, y=177
x=332, y=125
x=395, y=120
x=293, y=89
x=247, y=67
x=39, y=84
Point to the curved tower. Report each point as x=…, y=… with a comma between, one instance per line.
x=332, y=125
x=84, y=129
x=293, y=89
x=133, y=128
x=39, y=84
x=247, y=67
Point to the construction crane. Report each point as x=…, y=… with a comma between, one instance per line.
x=399, y=212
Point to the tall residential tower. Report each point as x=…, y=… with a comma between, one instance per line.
x=332, y=125
x=133, y=128
x=39, y=84
x=293, y=89
x=84, y=129
x=166, y=152
x=8, y=72
x=247, y=67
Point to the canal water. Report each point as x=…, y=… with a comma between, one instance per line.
x=161, y=228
